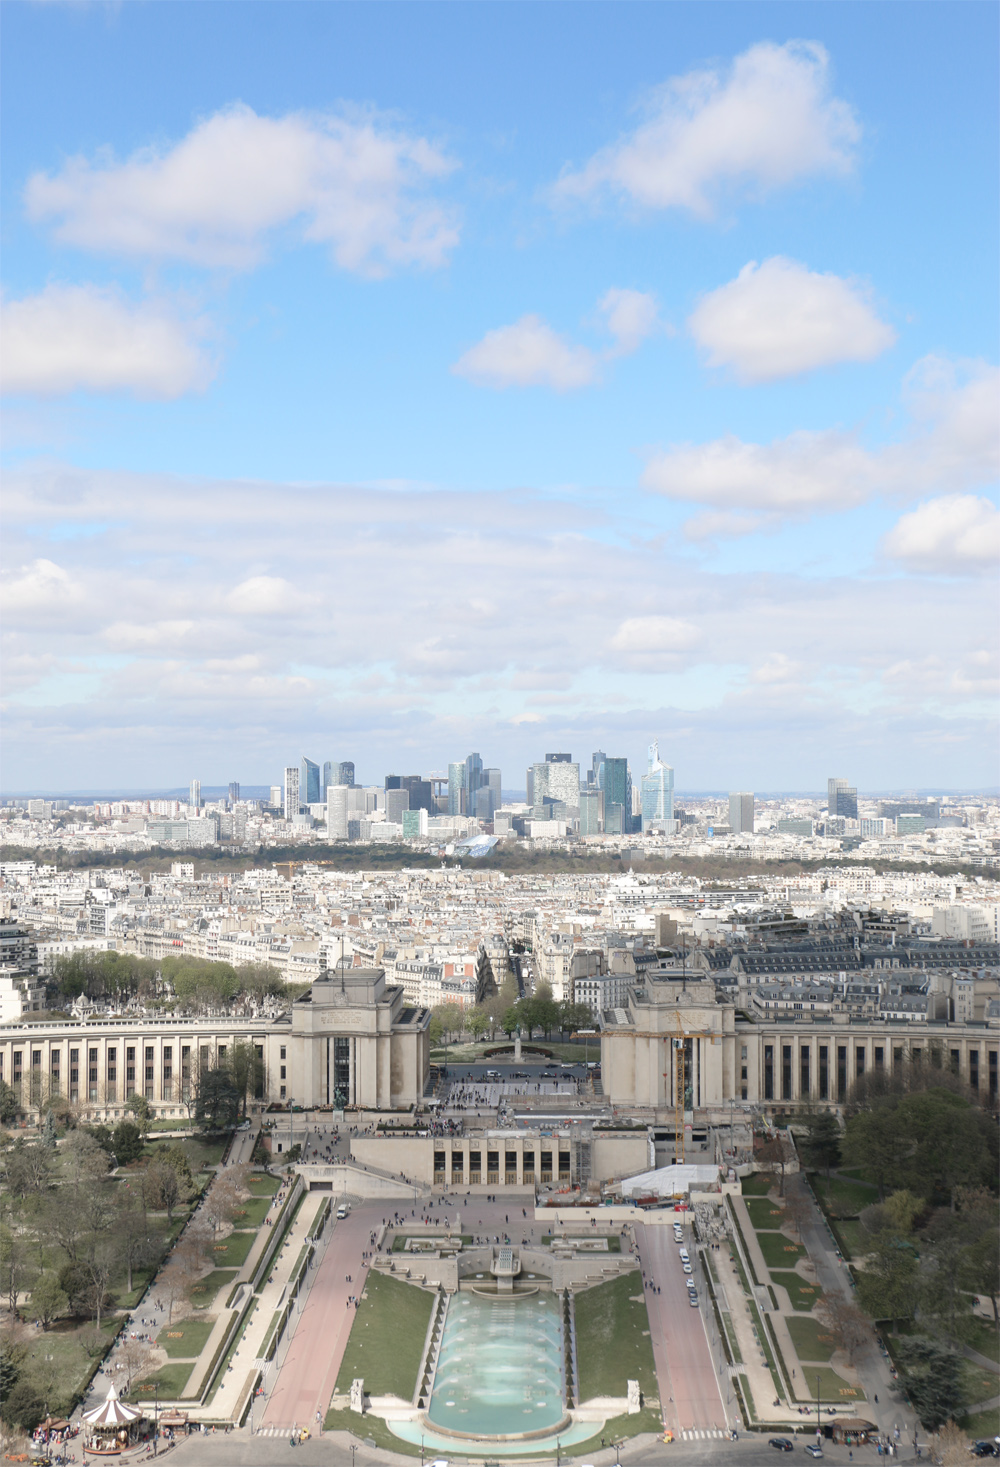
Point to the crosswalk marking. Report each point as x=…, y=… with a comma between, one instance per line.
x=694, y=1434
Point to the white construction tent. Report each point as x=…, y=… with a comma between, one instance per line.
x=670, y=1181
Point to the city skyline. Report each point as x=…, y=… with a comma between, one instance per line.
x=503, y=385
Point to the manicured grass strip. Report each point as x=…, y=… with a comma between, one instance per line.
x=854, y=1241
x=251, y=1213
x=232, y=1252
x=812, y=1340
x=802, y=1293
x=387, y=1338
x=619, y=1428
x=779, y=1251
x=832, y=1387
x=612, y=1348
x=171, y=1379
x=206, y=1289
x=261, y=1185
x=986, y=1424
x=984, y=1338
x=845, y=1199
x=757, y=1185
x=765, y=1214
x=186, y=1339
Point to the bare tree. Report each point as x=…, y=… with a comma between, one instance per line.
x=774, y=1153
x=849, y=1325
x=797, y=1211
x=137, y=1358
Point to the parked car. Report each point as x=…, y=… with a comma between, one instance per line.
x=985, y=1449
x=781, y=1444
x=343, y=1210
x=814, y=1449
x=693, y=1299
x=687, y=1268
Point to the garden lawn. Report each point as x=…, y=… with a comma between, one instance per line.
x=811, y=1339
x=261, y=1185
x=251, y=1213
x=70, y=1363
x=779, y=1251
x=205, y=1289
x=855, y=1242
x=612, y=1339
x=170, y=1378
x=757, y=1185
x=802, y=1293
x=832, y=1387
x=983, y=1337
x=844, y=1198
x=765, y=1214
x=987, y=1423
x=201, y=1151
x=232, y=1252
x=387, y=1338
x=185, y=1340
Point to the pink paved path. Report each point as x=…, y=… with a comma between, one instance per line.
x=684, y=1366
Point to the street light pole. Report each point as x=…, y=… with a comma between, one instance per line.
x=819, y=1430
x=156, y=1417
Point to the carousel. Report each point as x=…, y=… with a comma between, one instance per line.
x=111, y=1426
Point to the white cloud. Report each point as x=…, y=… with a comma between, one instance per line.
x=630, y=316
x=265, y=596
x=80, y=337
x=527, y=354
x=654, y=643
x=954, y=445
x=778, y=319
x=40, y=587
x=958, y=532
x=352, y=181
x=769, y=121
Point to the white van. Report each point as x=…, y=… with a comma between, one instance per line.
x=684, y=1256
x=342, y=1211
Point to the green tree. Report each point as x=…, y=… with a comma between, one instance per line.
x=126, y=1142
x=902, y=1209
x=259, y=981
x=878, y=1141
x=8, y=1104
x=48, y=1298
x=887, y=1283
x=134, y=1242
x=477, y=1022
x=950, y=1146
x=141, y=1109
x=217, y=1100
x=12, y=1358
x=821, y=1144
x=932, y=1378
x=247, y=1069
x=24, y=1406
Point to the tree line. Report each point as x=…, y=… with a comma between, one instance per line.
x=507, y=1014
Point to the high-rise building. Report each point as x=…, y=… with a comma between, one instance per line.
x=396, y=801
x=842, y=799
x=617, y=793
x=275, y=800
x=234, y=791
x=327, y=777
x=741, y=812
x=593, y=773
x=487, y=797
x=456, y=787
x=557, y=781
x=309, y=783
x=656, y=789
x=473, y=779
x=345, y=773
x=336, y=812
x=590, y=812
x=559, y=758
x=414, y=824
x=194, y=794
x=290, y=800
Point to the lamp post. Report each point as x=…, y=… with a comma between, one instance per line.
x=156, y=1417
x=819, y=1429
x=353, y=1450
x=291, y=1134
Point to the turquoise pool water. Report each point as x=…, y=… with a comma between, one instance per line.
x=451, y=1447
x=500, y=1367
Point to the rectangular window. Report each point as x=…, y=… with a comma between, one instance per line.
x=18, y=1074
x=258, y=1088
x=786, y=1072
x=55, y=1061
x=824, y=1072
x=956, y=1061
x=743, y=1073
x=915, y=1056
x=859, y=1061
x=879, y=1057
x=528, y=1161
x=283, y=1076
x=148, y=1070
x=74, y=1066
x=204, y=1056
x=897, y=1057
x=185, y=1071
x=493, y=1162
x=341, y=1071
x=768, y=1071
x=743, y=1051
x=439, y=1159
x=167, y=1077
x=993, y=1074
x=282, y=1096
x=804, y=1071
x=546, y=1173
x=564, y=1163
x=974, y=1068
x=283, y=1055
x=457, y=1164
x=841, y=1071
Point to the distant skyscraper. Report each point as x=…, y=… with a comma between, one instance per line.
x=487, y=796
x=234, y=792
x=559, y=758
x=275, y=800
x=473, y=779
x=556, y=781
x=396, y=801
x=596, y=760
x=336, y=812
x=590, y=812
x=194, y=794
x=842, y=799
x=327, y=777
x=345, y=773
x=309, y=783
x=456, y=787
x=617, y=792
x=656, y=789
x=741, y=812
x=290, y=799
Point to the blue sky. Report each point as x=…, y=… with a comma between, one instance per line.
x=388, y=381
